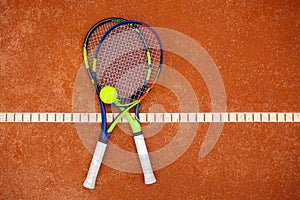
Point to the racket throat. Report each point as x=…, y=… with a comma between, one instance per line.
x=134, y=124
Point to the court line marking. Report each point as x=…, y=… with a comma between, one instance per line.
x=207, y=117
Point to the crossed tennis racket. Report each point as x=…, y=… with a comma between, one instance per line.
x=126, y=55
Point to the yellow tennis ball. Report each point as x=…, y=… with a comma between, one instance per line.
x=108, y=94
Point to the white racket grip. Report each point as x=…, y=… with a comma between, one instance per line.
x=144, y=159
x=95, y=165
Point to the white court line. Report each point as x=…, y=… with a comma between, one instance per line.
x=226, y=117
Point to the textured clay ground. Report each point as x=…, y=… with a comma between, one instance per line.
x=255, y=46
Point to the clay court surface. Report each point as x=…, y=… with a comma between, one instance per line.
x=254, y=45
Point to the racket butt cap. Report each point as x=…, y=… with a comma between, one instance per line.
x=150, y=179
x=89, y=184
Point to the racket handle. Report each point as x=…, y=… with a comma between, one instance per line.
x=95, y=165
x=144, y=159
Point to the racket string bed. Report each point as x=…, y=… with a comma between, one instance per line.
x=127, y=66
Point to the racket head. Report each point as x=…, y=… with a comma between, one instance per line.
x=128, y=57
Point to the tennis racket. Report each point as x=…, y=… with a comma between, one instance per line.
x=128, y=58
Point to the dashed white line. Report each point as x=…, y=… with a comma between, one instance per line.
x=245, y=117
